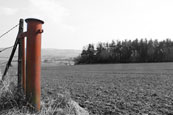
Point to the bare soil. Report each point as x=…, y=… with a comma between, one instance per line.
x=114, y=89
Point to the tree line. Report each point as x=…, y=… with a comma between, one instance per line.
x=127, y=51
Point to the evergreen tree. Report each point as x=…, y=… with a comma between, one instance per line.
x=127, y=51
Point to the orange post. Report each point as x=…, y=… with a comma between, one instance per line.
x=23, y=65
x=33, y=62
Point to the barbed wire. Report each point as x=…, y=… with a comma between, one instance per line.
x=3, y=63
x=14, y=61
x=9, y=62
x=6, y=48
x=7, y=57
x=8, y=30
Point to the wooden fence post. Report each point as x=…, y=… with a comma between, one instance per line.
x=20, y=56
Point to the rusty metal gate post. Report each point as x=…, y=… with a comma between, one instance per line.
x=33, y=62
x=23, y=63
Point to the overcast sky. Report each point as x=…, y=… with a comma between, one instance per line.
x=72, y=24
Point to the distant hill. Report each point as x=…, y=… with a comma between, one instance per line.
x=6, y=54
x=61, y=53
x=47, y=54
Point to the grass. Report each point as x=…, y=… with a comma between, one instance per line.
x=107, y=89
x=12, y=103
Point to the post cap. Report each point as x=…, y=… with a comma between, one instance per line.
x=34, y=19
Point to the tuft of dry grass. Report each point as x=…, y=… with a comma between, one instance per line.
x=10, y=99
x=7, y=94
x=12, y=103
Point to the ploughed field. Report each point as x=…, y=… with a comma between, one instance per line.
x=114, y=89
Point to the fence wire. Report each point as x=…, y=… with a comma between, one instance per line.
x=8, y=31
x=5, y=57
x=6, y=48
x=2, y=62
